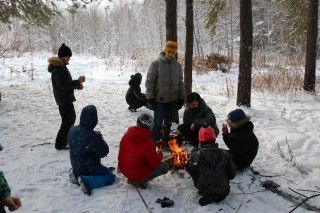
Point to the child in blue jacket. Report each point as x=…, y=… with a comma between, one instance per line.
x=87, y=147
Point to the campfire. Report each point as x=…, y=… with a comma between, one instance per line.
x=179, y=156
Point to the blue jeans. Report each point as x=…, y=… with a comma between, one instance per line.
x=102, y=177
x=163, y=114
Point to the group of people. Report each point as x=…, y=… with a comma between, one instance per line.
x=139, y=159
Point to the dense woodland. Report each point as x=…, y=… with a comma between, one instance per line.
x=128, y=28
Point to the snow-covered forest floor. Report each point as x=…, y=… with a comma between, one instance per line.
x=287, y=127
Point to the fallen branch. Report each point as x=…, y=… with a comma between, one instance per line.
x=290, y=197
x=146, y=205
x=303, y=202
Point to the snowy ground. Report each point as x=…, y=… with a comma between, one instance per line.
x=36, y=172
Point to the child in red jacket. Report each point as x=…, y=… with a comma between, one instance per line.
x=138, y=159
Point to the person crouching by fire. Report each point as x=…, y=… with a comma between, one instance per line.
x=211, y=168
x=138, y=159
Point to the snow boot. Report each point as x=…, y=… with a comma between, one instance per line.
x=84, y=187
x=73, y=179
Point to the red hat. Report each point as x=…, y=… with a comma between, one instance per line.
x=206, y=133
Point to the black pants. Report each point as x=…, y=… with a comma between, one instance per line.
x=68, y=117
x=189, y=134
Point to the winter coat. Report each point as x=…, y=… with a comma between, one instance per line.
x=164, y=81
x=134, y=97
x=242, y=143
x=4, y=187
x=137, y=155
x=203, y=114
x=87, y=147
x=62, y=83
x=211, y=169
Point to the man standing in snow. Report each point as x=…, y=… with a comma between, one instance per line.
x=63, y=91
x=165, y=90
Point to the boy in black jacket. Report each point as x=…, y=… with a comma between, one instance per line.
x=63, y=91
x=211, y=168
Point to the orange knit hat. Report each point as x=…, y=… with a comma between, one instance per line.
x=171, y=46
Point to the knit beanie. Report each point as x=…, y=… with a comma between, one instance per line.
x=145, y=120
x=64, y=51
x=206, y=133
x=171, y=46
x=138, y=76
x=236, y=115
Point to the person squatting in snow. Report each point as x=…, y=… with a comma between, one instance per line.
x=138, y=159
x=134, y=98
x=87, y=147
x=13, y=203
x=211, y=168
x=63, y=91
x=165, y=90
x=195, y=115
x=242, y=142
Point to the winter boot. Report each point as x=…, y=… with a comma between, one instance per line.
x=138, y=184
x=73, y=179
x=84, y=187
x=132, y=109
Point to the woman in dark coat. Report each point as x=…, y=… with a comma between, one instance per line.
x=241, y=141
x=134, y=98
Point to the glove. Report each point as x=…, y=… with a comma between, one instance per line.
x=149, y=106
x=180, y=104
x=152, y=101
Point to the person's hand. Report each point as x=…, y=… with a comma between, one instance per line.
x=152, y=101
x=193, y=127
x=80, y=87
x=82, y=79
x=224, y=128
x=13, y=203
x=180, y=104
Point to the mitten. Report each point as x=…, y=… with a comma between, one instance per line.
x=152, y=101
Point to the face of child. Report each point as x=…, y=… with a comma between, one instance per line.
x=229, y=122
x=193, y=105
x=66, y=59
x=169, y=55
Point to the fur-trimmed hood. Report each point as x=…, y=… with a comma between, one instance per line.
x=242, y=122
x=54, y=62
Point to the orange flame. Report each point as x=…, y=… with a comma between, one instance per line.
x=180, y=157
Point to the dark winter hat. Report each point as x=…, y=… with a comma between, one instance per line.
x=138, y=76
x=206, y=133
x=145, y=120
x=64, y=51
x=1, y=148
x=236, y=115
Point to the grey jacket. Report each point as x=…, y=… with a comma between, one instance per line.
x=164, y=80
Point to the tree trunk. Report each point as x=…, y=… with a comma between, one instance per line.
x=171, y=32
x=245, y=65
x=311, y=51
x=189, y=46
x=171, y=19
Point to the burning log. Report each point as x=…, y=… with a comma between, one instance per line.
x=180, y=157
